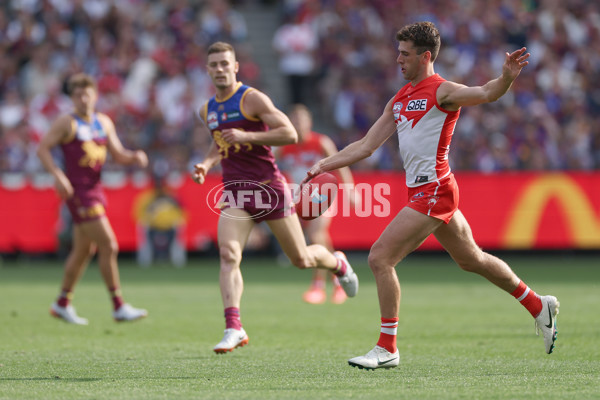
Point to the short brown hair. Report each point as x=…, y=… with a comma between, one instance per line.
x=424, y=35
x=80, y=80
x=220, y=47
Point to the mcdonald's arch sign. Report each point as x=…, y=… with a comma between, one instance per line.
x=505, y=211
x=575, y=201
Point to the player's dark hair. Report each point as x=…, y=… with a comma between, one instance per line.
x=424, y=35
x=220, y=47
x=80, y=80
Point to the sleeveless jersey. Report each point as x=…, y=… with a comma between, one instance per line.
x=244, y=161
x=424, y=131
x=85, y=154
x=296, y=159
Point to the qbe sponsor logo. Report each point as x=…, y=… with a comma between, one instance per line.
x=417, y=105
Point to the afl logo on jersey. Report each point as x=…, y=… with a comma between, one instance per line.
x=212, y=120
x=396, y=110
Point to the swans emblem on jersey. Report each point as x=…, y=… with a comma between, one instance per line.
x=396, y=110
x=212, y=120
x=224, y=146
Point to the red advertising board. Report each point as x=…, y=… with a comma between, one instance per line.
x=506, y=211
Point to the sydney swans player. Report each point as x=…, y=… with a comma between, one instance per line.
x=423, y=114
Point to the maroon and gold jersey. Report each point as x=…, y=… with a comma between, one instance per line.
x=246, y=161
x=85, y=154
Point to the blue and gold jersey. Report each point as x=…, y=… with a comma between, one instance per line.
x=244, y=161
x=85, y=154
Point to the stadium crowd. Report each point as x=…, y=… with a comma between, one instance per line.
x=149, y=57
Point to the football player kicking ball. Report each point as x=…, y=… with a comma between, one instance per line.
x=84, y=137
x=244, y=123
x=423, y=113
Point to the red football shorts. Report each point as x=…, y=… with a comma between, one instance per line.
x=436, y=199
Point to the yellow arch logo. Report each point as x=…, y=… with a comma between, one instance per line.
x=579, y=214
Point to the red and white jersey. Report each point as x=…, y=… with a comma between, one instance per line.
x=424, y=131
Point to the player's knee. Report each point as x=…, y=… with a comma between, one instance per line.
x=378, y=263
x=379, y=260
x=230, y=254
x=110, y=247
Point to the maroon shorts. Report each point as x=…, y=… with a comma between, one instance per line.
x=436, y=199
x=263, y=201
x=87, y=204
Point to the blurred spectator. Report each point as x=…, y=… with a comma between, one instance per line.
x=148, y=59
x=161, y=221
x=295, y=42
x=547, y=122
x=149, y=56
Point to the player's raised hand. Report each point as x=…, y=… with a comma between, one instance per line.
x=514, y=63
x=199, y=174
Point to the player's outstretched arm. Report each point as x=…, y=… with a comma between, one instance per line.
x=381, y=130
x=451, y=96
x=119, y=153
x=258, y=105
x=328, y=147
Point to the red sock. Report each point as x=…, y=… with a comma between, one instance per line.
x=387, y=337
x=64, y=298
x=232, y=318
x=528, y=298
x=341, y=268
x=115, y=294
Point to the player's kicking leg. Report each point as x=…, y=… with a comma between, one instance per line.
x=457, y=239
x=289, y=234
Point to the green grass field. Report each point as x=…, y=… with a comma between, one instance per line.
x=459, y=337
